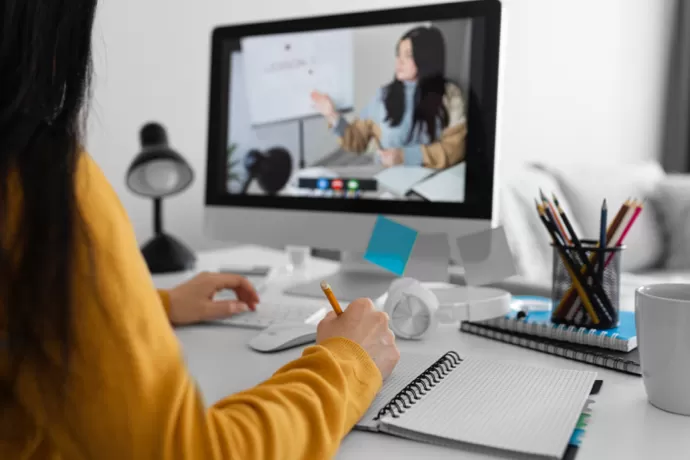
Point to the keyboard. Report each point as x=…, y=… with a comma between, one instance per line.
x=270, y=314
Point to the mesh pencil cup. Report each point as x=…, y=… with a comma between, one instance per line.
x=586, y=285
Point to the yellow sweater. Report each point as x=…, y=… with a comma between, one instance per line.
x=131, y=396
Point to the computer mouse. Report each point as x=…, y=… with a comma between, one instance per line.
x=283, y=336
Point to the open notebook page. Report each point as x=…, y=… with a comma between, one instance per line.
x=400, y=179
x=446, y=186
x=410, y=366
x=501, y=405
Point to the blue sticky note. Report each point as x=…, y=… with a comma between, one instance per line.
x=390, y=245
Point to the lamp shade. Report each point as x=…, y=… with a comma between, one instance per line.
x=158, y=171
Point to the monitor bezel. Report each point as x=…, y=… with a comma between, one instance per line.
x=481, y=170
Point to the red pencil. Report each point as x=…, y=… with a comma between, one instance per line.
x=632, y=220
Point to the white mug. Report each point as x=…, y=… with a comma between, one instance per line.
x=662, y=317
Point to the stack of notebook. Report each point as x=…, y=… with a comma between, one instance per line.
x=614, y=349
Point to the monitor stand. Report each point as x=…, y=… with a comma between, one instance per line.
x=359, y=278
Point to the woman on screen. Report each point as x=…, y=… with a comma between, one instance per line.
x=417, y=119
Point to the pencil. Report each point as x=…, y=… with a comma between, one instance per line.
x=623, y=224
x=555, y=217
x=331, y=298
x=602, y=239
x=611, y=235
x=620, y=215
x=564, y=217
x=628, y=226
x=569, y=265
x=587, y=268
x=574, y=276
x=588, y=265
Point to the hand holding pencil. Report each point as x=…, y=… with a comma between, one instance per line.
x=362, y=324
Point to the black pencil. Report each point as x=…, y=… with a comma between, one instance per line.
x=594, y=260
x=575, y=276
x=552, y=218
x=602, y=239
x=589, y=266
x=599, y=296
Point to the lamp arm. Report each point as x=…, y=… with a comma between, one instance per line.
x=157, y=216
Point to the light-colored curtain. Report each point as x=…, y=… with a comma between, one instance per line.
x=676, y=143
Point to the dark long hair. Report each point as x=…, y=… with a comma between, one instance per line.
x=45, y=68
x=429, y=54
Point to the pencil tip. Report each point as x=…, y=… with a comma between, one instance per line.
x=603, y=206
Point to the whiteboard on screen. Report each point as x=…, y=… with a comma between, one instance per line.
x=281, y=71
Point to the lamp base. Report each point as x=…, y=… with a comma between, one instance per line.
x=165, y=254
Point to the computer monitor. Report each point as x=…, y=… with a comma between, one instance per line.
x=319, y=125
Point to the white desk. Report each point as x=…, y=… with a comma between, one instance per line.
x=623, y=426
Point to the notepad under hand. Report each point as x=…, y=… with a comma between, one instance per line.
x=469, y=403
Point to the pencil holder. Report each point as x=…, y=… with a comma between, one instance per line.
x=586, y=285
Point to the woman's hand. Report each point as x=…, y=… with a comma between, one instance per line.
x=193, y=302
x=391, y=157
x=325, y=106
x=361, y=323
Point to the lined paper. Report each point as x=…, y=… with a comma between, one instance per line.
x=501, y=405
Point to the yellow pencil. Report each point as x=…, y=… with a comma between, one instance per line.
x=331, y=298
x=573, y=277
x=568, y=298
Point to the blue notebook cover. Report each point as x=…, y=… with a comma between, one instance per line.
x=538, y=323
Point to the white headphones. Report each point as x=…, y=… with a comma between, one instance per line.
x=416, y=309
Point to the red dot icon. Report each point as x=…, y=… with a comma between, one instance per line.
x=337, y=184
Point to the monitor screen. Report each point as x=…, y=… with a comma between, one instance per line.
x=359, y=112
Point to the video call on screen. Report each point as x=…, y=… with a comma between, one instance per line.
x=376, y=113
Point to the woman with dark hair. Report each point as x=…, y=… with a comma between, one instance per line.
x=89, y=365
x=418, y=119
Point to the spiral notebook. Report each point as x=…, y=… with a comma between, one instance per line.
x=538, y=324
x=507, y=409
x=626, y=362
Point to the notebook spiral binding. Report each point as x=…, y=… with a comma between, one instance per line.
x=420, y=386
x=574, y=334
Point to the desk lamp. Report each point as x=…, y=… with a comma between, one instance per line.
x=158, y=172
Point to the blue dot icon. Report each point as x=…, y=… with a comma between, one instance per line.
x=323, y=184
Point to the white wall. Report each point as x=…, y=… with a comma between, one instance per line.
x=582, y=79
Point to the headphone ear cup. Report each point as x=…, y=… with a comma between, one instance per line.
x=401, y=283
x=412, y=309
x=395, y=293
